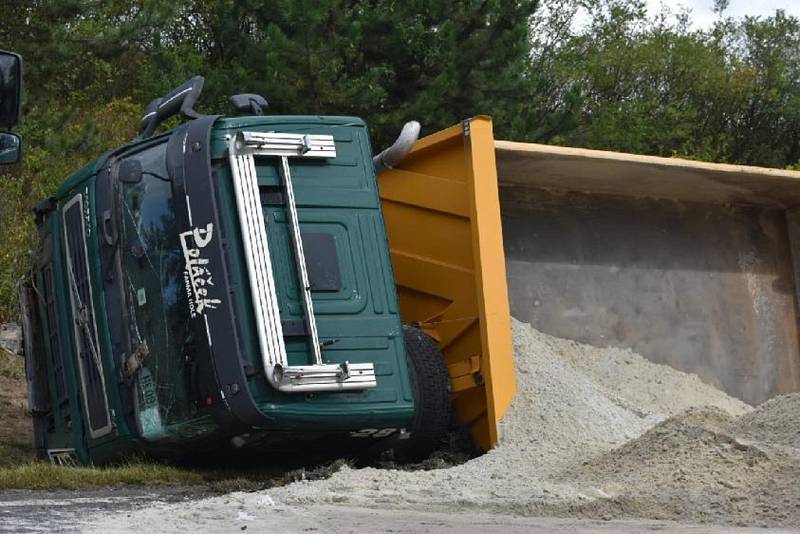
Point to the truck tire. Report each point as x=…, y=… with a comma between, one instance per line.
x=431, y=382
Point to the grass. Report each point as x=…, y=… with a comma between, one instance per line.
x=35, y=475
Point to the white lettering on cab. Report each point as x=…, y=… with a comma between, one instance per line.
x=197, y=276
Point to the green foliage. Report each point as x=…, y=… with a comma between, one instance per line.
x=593, y=73
x=629, y=82
x=385, y=61
x=57, y=141
x=92, y=66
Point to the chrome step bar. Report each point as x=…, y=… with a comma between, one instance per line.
x=243, y=149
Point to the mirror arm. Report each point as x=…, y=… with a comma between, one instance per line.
x=180, y=100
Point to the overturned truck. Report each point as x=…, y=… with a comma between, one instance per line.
x=227, y=286
x=262, y=284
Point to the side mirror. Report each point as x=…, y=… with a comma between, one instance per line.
x=10, y=148
x=249, y=103
x=10, y=88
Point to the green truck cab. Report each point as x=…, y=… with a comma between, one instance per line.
x=224, y=288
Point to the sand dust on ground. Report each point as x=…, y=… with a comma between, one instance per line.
x=594, y=432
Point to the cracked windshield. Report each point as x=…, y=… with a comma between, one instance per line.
x=156, y=296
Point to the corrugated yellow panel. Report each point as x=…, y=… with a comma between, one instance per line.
x=443, y=223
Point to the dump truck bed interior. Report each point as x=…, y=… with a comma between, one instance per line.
x=690, y=264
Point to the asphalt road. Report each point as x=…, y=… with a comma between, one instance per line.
x=22, y=512
x=65, y=511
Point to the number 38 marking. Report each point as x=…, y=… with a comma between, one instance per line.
x=373, y=433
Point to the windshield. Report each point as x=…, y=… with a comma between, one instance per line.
x=153, y=275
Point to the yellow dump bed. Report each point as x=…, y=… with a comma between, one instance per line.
x=693, y=265
x=443, y=223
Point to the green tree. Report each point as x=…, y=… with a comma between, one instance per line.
x=626, y=81
x=92, y=66
x=593, y=73
x=384, y=60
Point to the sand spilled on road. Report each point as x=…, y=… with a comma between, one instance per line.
x=592, y=432
x=575, y=405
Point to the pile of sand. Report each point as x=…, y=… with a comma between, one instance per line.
x=696, y=467
x=574, y=403
x=599, y=433
x=776, y=421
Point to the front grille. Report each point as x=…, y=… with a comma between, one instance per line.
x=93, y=385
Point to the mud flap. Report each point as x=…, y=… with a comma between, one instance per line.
x=442, y=216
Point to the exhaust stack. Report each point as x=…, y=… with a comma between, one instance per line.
x=393, y=155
